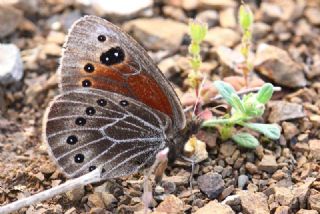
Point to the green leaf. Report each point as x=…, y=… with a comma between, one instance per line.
x=214, y=122
x=246, y=140
x=245, y=17
x=237, y=103
x=265, y=93
x=271, y=131
x=226, y=91
x=197, y=31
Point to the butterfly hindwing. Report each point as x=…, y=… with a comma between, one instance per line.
x=86, y=128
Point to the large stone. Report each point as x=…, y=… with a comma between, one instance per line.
x=303, y=211
x=314, y=202
x=95, y=200
x=210, y=17
x=171, y=204
x=312, y=14
x=10, y=18
x=211, y=184
x=29, y=7
x=216, y=4
x=283, y=110
x=314, y=146
x=268, y=164
x=215, y=207
x=228, y=18
x=10, y=63
x=283, y=196
x=222, y=36
x=260, y=30
x=157, y=33
x=119, y=8
x=277, y=65
x=254, y=203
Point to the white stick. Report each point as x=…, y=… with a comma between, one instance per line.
x=91, y=177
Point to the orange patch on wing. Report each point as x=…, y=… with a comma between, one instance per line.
x=149, y=92
x=123, y=68
x=103, y=71
x=113, y=87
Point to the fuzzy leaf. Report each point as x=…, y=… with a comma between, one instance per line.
x=245, y=17
x=237, y=102
x=197, y=31
x=246, y=140
x=226, y=91
x=265, y=93
x=215, y=121
x=271, y=131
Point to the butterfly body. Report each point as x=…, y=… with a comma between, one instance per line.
x=116, y=108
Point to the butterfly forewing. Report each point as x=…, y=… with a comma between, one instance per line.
x=99, y=55
x=86, y=128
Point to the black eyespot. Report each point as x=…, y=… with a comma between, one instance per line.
x=90, y=111
x=124, y=103
x=89, y=68
x=102, y=102
x=79, y=158
x=102, y=38
x=91, y=168
x=80, y=121
x=112, y=56
x=86, y=83
x=72, y=139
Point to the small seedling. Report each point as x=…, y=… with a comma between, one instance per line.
x=243, y=110
x=245, y=22
x=197, y=32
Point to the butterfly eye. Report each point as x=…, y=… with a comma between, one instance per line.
x=72, y=140
x=89, y=68
x=79, y=158
x=102, y=102
x=112, y=56
x=80, y=121
x=124, y=103
x=101, y=38
x=86, y=83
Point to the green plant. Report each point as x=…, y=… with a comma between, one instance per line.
x=245, y=17
x=243, y=110
x=197, y=32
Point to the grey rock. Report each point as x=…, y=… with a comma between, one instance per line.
x=120, y=8
x=211, y=17
x=11, y=64
x=268, y=163
x=277, y=65
x=283, y=110
x=156, y=33
x=211, y=184
x=222, y=36
x=242, y=181
x=216, y=4
x=10, y=18
x=254, y=202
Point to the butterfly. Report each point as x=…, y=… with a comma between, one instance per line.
x=116, y=109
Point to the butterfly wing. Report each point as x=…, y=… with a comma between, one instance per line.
x=99, y=55
x=86, y=128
